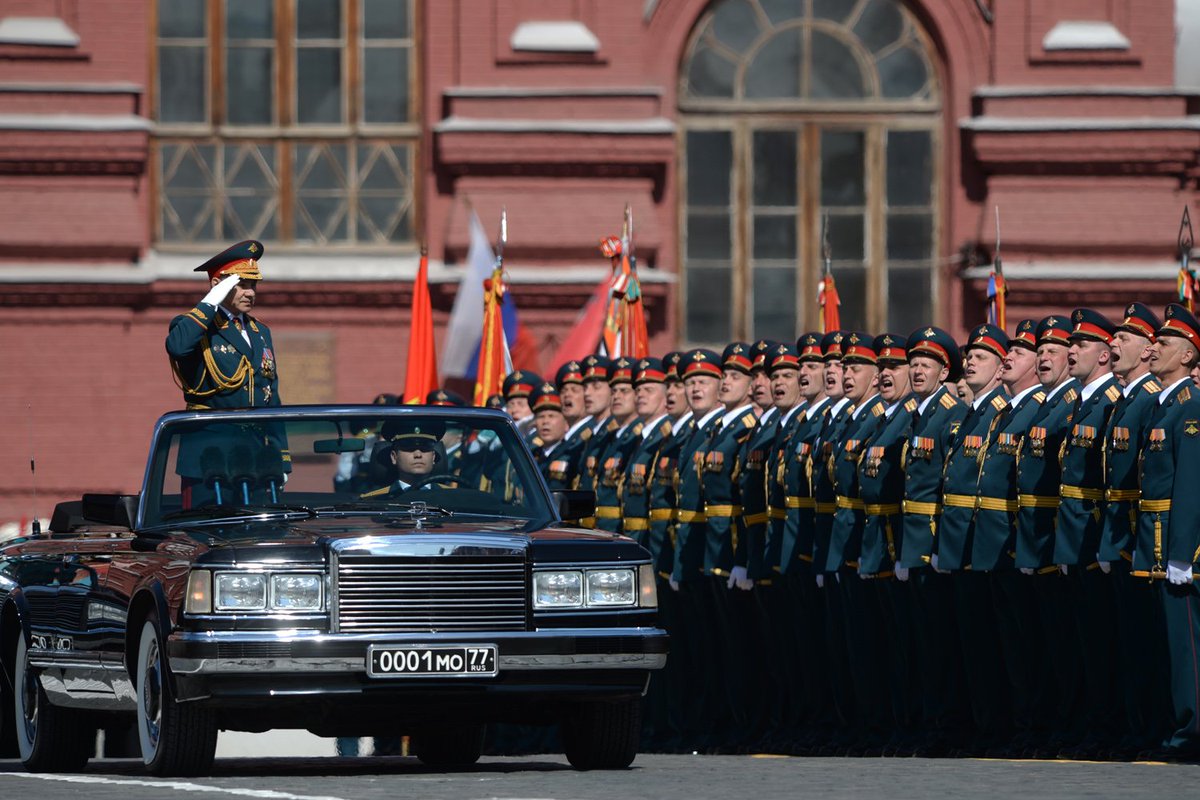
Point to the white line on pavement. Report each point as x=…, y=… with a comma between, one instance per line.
x=181, y=786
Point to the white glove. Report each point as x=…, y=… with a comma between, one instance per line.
x=1026, y=570
x=745, y=584
x=674, y=584
x=736, y=575
x=1063, y=568
x=219, y=292
x=1179, y=572
x=820, y=580
x=1105, y=566
x=901, y=572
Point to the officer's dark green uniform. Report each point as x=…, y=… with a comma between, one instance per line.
x=221, y=360
x=752, y=480
x=1168, y=537
x=1140, y=638
x=936, y=420
x=595, y=368
x=972, y=592
x=640, y=469
x=610, y=461
x=1077, y=541
x=559, y=461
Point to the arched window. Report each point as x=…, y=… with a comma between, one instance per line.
x=793, y=111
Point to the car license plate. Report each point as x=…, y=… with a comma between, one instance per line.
x=416, y=661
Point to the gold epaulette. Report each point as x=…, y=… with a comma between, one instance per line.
x=750, y=420
x=1039, y=396
x=1184, y=395
x=1152, y=386
x=665, y=428
x=537, y=442
x=376, y=492
x=877, y=409
x=1071, y=396
x=999, y=403
x=585, y=434
x=1112, y=393
x=911, y=405
x=948, y=400
x=637, y=429
x=612, y=425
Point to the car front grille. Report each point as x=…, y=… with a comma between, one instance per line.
x=378, y=594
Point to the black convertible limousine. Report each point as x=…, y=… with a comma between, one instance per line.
x=350, y=570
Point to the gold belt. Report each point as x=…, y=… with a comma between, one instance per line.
x=661, y=514
x=683, y=515
x=852, y=503
x=608, y=512
x=882, y=510
x=986, y=503
x=714, y=510
x=1155, y=506
x=959, y=500
x=921, y=507
x=637, y=524
x=1080, y=493
x=796, y=501
x=1037, y=501
x=825, y=508
x=777, y=513
x=756, y=519
x=1113, y=495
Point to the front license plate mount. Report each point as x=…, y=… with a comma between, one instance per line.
x=425, y=661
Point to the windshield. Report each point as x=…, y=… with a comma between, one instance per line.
x=370, y=463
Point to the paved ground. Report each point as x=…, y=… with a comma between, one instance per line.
x=653, y=777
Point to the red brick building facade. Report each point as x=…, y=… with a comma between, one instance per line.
x=137, y=138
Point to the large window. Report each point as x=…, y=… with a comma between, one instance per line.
x=795, y=111
x=291, y=121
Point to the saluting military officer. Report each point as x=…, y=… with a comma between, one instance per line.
x=986, y=348
x=221, y=355
x=1167, y=535
x=1080, y=515
x=1139, y=635
x=931, y=352
x=610, y=461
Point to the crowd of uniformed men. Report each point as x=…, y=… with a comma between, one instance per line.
x=856, y=560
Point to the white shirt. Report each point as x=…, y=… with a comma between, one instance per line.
x=838, y=406
x=1091, y=388
x=679, y=423
x=1057, y=390
x=816, y=407
x=705, y=419
x=238, y=318
x=1132, y=386
x=649, y=427
x=1162, y=398
x=1021, y=395
x=858, y=411
x=766, y=415
x=979, y=401
x=925, y=403
x=791, y=412
x=735, y=414
x=571, y=430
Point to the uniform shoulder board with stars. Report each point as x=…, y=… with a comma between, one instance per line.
x=537, y=441
x=948, y=400
x=612, y=425
x=665, y=428
x=637, y=429
x=911, y=405
x=749, y=420
x=1112, y=393
x=1071, y=396
x=585, y=434
x=1039, y=396
x=877, y=409
x=1184, y=395
x=1152, y=386
x=999, y=403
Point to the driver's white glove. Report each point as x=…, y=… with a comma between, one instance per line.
x=1105, y=566
x=1063, y=569
x=1026, y=570
x=219, y=292
x=901, y=572
x=737, y=576
x=820, y=580
x=1179, y=572
x=674, y=584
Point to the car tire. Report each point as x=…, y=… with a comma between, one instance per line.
x=459, y=746
x=49, y=738
x=8, y=730
x=603, y=735
x=177, y=739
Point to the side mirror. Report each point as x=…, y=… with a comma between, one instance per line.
x=118, y=510
x=574, y=505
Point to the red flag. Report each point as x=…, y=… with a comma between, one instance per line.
x=421, y=377
x=585, y=333
x=493, y=349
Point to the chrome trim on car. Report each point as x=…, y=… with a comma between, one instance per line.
x=231, y=666
x=433, y=545
x=95, y=689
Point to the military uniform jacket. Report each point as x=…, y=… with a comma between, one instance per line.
x=662, y=495
x=752, y=484
x=796, y=546
x=610, y=470
x=1170, y=475
x=960, y=479
x=589, y=470
x=215, y=366
x=1126, y=424
x=881, y=486
x=636, y=487
x=1039, y=477
x=776, y=479
x=845, y=540
x=1081, y=509
x=559, y=466
x=923, y=464
x=690, y=522
x=993, y=538
x=824, y=446
x=720, y=464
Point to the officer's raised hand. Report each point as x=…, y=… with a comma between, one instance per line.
x=217, y=294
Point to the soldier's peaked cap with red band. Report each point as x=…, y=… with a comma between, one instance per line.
x=240, y=259
x=934, y=343
x=700, y=361
x=988, y=337
x=859, y=349
x=1141, y=321
x=1089, y=324
x=1180, y=322
x=1054, y=329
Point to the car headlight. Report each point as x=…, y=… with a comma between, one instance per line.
x=298, y=592
x=240, y=591
x=557, y=589
x=611, y=587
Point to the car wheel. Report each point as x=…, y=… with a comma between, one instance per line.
x=176, y=738
x=49, y=738
x=603, y=735
x=8, y=736
x=459, y=746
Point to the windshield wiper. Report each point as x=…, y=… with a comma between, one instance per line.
x=227, y=510
x=413, y=509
